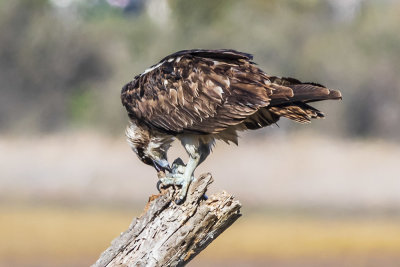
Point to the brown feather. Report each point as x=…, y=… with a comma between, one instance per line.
x=213, y=91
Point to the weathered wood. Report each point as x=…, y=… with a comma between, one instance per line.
x=167, y=234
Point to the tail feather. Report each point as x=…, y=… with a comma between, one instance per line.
x=295, y=107
x=297, y=111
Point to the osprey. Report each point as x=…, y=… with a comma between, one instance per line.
x=199, y=96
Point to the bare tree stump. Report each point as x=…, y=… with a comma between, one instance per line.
x=167, y=234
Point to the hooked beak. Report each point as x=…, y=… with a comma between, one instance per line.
x=161, y=165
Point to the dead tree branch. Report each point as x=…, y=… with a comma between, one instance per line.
x=167, y=234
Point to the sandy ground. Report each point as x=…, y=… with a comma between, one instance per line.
x=40, y=235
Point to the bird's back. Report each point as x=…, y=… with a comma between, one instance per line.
x=208, y=91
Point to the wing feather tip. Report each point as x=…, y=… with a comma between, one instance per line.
x=335, y=94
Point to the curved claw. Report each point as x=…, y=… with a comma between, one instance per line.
x=179, y=201
x=159, y=183
x=162, y=165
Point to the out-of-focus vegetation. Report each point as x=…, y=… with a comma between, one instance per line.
x=63, y=62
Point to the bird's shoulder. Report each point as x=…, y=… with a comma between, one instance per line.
x=196, y=69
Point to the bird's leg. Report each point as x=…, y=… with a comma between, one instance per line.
x=183, y=175
x=198, y=152
x=192, y=164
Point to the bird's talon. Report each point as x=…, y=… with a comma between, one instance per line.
x=159, y=186
x=179, y=201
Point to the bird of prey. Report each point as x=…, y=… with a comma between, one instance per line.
x=199, y=96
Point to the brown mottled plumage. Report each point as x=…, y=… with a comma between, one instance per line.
x=210, y=94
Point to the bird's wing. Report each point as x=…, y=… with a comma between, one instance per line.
x=201, y=91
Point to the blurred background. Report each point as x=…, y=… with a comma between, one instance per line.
x=325, y=194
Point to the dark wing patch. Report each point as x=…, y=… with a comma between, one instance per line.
x=224, y=54
x=202, y=91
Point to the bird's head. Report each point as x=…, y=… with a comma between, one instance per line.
x=151, y=151
x=154, y=158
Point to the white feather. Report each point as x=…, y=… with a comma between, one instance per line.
x=153, y=67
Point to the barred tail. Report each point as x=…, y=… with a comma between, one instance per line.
x=296, y=107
